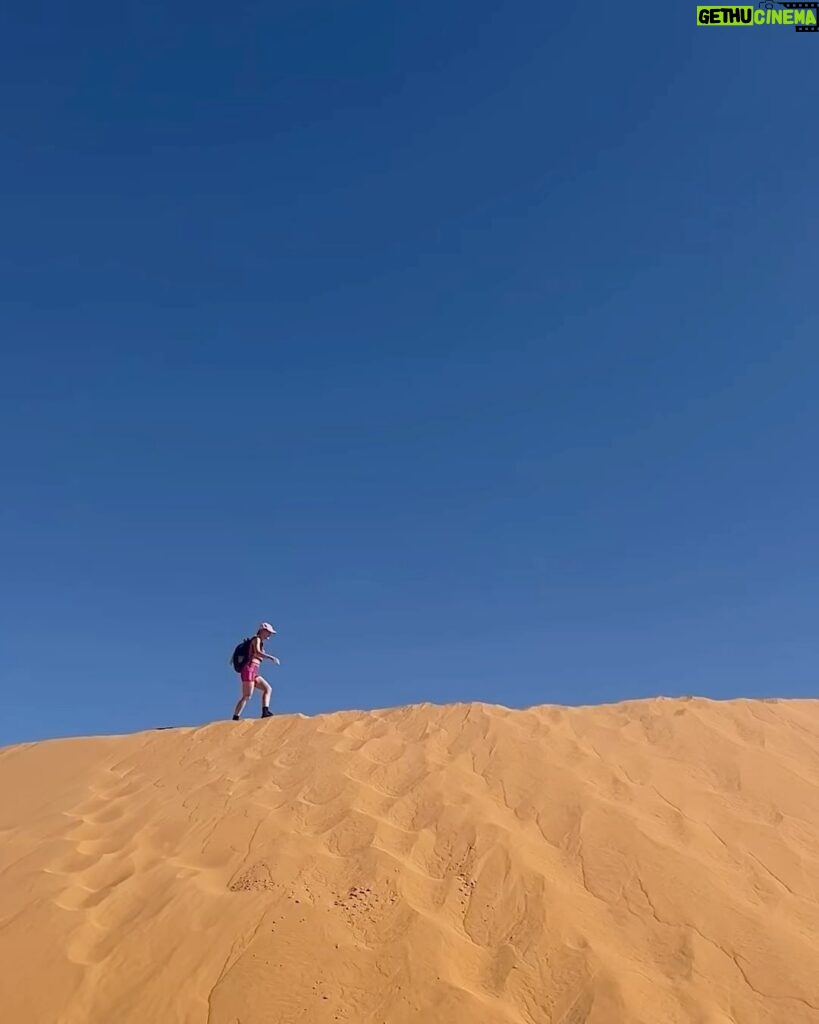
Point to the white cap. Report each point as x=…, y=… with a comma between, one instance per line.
x=266, y=627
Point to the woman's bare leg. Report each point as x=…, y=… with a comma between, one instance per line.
x=247, y=693
x=267, y=691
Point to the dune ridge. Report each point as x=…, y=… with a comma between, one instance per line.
x=652, y=862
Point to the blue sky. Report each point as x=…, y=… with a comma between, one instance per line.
x=471, y=344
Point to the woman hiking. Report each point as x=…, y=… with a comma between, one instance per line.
x=247, y=660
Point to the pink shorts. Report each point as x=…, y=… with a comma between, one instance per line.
x=248, y=675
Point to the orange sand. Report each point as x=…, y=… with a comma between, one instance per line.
x=653, y=862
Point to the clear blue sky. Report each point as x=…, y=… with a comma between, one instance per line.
x=473, y=344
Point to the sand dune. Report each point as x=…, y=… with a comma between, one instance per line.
x=650, y=862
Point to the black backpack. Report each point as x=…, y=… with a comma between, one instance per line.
x=241, y=655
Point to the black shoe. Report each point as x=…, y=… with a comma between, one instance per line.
x=235, y=718
x=267, y=713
